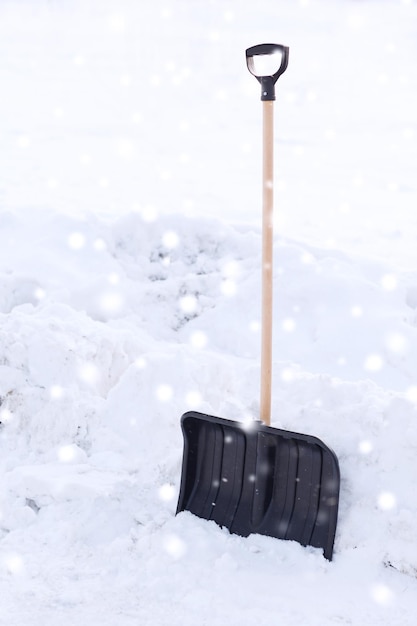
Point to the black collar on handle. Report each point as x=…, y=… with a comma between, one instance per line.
x=268, y=81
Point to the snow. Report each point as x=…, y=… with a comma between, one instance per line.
x=129, y=294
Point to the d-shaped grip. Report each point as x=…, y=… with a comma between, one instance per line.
x=257, y=56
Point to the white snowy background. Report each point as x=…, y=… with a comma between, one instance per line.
x=130, y=194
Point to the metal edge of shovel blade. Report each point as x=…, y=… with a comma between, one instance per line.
x=252, y=478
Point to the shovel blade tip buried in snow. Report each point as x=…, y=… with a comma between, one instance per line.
x=260, y=480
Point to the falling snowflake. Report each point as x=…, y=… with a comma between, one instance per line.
x=193, y=399
x=76, y=241
x=85, y=159
x=389, y=282
x=111, y=302
x=287, y=374
x=188, y=304
x=230, y=269
x=307, y=258
x=381, y=594
x=5, y=416
x=386, y=501
x=149, y=213
x=365, y=447
x=116, y=22
x=170, y=239
x=66, y=454
x=356, y=311
x=164, y=393
x=23, y=141
x=89, y=373
x=288, y=325
x=140, y=363
x=373, y=363
x=396, y=342
x=125, y=81
x=174, y=546
x=14, y=563
x=56, y=392
x=39, y=293
x=228, y=287
x=166, y=492
x=411, y=394
x=99, y=245
x=125, y=147
x=114, y=278
x=198, y=339
x=79, y=60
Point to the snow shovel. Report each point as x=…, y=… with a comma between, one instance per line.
x=252, y=478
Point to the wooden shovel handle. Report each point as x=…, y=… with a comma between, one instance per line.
x=267, y=261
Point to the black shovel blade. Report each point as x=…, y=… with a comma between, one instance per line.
x=257, y=479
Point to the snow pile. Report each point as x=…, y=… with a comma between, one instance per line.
x=130, y=290
x=91, y=400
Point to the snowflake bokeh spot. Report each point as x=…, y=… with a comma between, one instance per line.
x=149, y=214
x=14, y=563
x=193, y=399
x=99, y=245
x=125, y=81
x=167, y=492
x=164, y=393
x=170, y=239
x=66, y=454
x=188, y=304
x=76, y=240
x=288, y=325
x=79, y=60
x=56, y=392
x=140, y=363
x=5, y=416
x=373, y=363
x=39, y=293
x=174, y=546
x=389, y=282
x=228, y=287
x=89, y=373
x=113, y=278
x=111, y=302
x=381, y=594
x=396, y=342
x=85, y=159
x=411, y=394
x=356, y=311
x=387, y=501
x=23, y=141
x=307, y=258
x=287, y=374
x=365, y=447
x=230, y=269
x=199, y=339
x=116, y=22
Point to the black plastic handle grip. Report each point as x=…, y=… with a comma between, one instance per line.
x=267, y=82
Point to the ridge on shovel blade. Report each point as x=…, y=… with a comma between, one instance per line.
x=258, y=479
